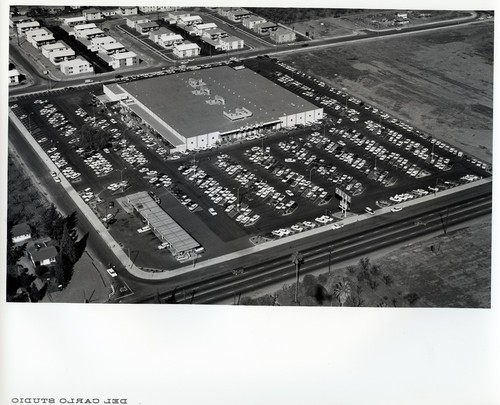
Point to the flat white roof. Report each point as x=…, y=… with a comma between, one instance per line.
x=185, y=47
x=255, y=18
x=40, y=38
x=162, y=223
x=13, y=72
x=63, y=52
x=78, y=61
x=84, y=27
x=124, y=55
x=206, y=26
x=28, y=24
x=73, y=19
x=57, y=45
x=34, y=33
x=231, y=39
x=115, y=45
x=90, y=31
x=102, y=40
x=190, y=18
x=170, y=37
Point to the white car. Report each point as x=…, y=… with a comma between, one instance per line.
x=144, y=229
x=337, y=226
x=212, y=211
x=163, y=245
x=396, y=209
x=111, y=272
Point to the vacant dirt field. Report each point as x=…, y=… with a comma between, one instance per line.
x=441, y=81
x=335, y=26
x=433, y=273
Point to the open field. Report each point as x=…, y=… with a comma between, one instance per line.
x=431, y=273
x=441, y=82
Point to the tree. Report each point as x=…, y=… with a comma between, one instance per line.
x=342, y=292
x=387, y=279
x=37, y=294
x=67, y=245
x=92, y=138
x=411, y=298
x=71, y=221
x=18, y=282
x=63, y=269
x=297, y=259
x=52, y=222
x=357, y=299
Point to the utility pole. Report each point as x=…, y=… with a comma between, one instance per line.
x=297, y=260
x=330, y=251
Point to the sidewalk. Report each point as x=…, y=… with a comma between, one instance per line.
x=85, y=209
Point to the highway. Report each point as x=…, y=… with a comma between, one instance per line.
x=376, y=234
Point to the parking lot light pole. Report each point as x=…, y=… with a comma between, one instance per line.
x=121, y=176
x=238, y=199
x=310, y=175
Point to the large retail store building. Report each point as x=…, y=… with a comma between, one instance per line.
x=198, y=109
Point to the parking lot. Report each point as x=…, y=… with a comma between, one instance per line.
x=270, y=186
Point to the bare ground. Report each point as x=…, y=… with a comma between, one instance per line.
x=440, y=82
x=438, y=277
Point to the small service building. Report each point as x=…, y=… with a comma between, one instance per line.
x=199, y=109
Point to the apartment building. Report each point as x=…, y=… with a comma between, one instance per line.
x=76, y=66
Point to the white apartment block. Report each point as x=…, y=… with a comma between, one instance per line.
x=214, y=34
x=252, y=21
x=165, y=38
x=49, y=48
x=200, y=28
x=92, y=14
x=13, y=76
x=122, y=59
x=76, y=66
x=97, y=42
x=111, y=48
x=154, y=9
x=90, y=33
x=61, y=55
x=282, y=35
x=186, y=50
x=72, y=21
x=133, y=20
x=82, y=27
x=16, y=20
x=37, y=32
x=27, y=26
x=231, y=43
x=189, y=20
x=126, y=10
